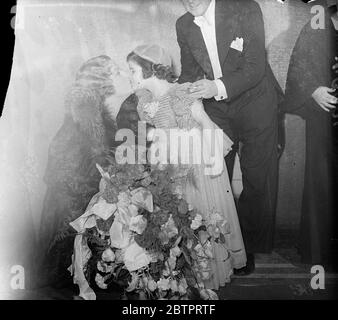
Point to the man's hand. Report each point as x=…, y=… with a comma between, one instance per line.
x=324, y=99
x=204, y=88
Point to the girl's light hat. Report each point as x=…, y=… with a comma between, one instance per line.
x=153, y=53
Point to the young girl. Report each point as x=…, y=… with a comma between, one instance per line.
x=172, y=108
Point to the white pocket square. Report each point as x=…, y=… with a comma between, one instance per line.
x=237, y=44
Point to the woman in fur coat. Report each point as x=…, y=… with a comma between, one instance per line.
x=86, y=135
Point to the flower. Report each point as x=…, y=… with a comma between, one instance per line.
x=163, y=284
x=118, y=256
x=161, y=166
x=171, y=262
x=146, y=179
x=166, y=270
x=208, y=251
x=208, y=294
x=217, y=220
x=182, y=287
x=214, y=231
x=197, y=222
x=183, y=207
x=200, y=251
x=199, y=285
x=179, y=191
x=142, y=285
x=152, y=227
x=161, y=218
x=138, y=224
x=205, y=275
x=189, y=244
x=155, y=256
x=170, y=228
x=123, y=199
x=203, y=264
x=173, y=285
x=216, y=217
x=142, y=198
x=145, y=279
x=108, y=255
x=225, y=227
x=100, y=281
x=152, y=285
x=104, y=267
x=175, y=252
x=163, y=236
x=135, y=279
x=136, y=257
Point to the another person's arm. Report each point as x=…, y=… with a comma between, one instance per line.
x=307, y=82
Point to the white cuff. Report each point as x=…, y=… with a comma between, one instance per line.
x=221, y=91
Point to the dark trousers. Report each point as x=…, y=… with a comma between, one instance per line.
x=255, y=126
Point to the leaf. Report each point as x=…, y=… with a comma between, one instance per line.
x=222, y=238
x=186, y=255
x=181, y=261
x=105, y=225
x=133, y=283
x=104, y=174
x=193, y=294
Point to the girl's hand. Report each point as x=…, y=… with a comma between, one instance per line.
x=198, y=112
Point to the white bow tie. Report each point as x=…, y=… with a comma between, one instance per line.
x=201, y=21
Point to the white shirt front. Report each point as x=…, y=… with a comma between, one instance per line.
x=208, y=29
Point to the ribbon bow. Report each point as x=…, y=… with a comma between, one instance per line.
x=119, y=232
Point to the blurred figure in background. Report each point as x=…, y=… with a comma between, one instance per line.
x=309, y=94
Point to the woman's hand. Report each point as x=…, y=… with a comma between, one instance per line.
x=324, y=99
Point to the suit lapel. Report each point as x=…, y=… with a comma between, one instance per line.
x=225, y=22
x=199, y=49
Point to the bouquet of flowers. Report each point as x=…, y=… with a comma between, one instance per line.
x=140, y=237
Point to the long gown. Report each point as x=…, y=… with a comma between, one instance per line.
x=311, y=67
x=206, y=192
